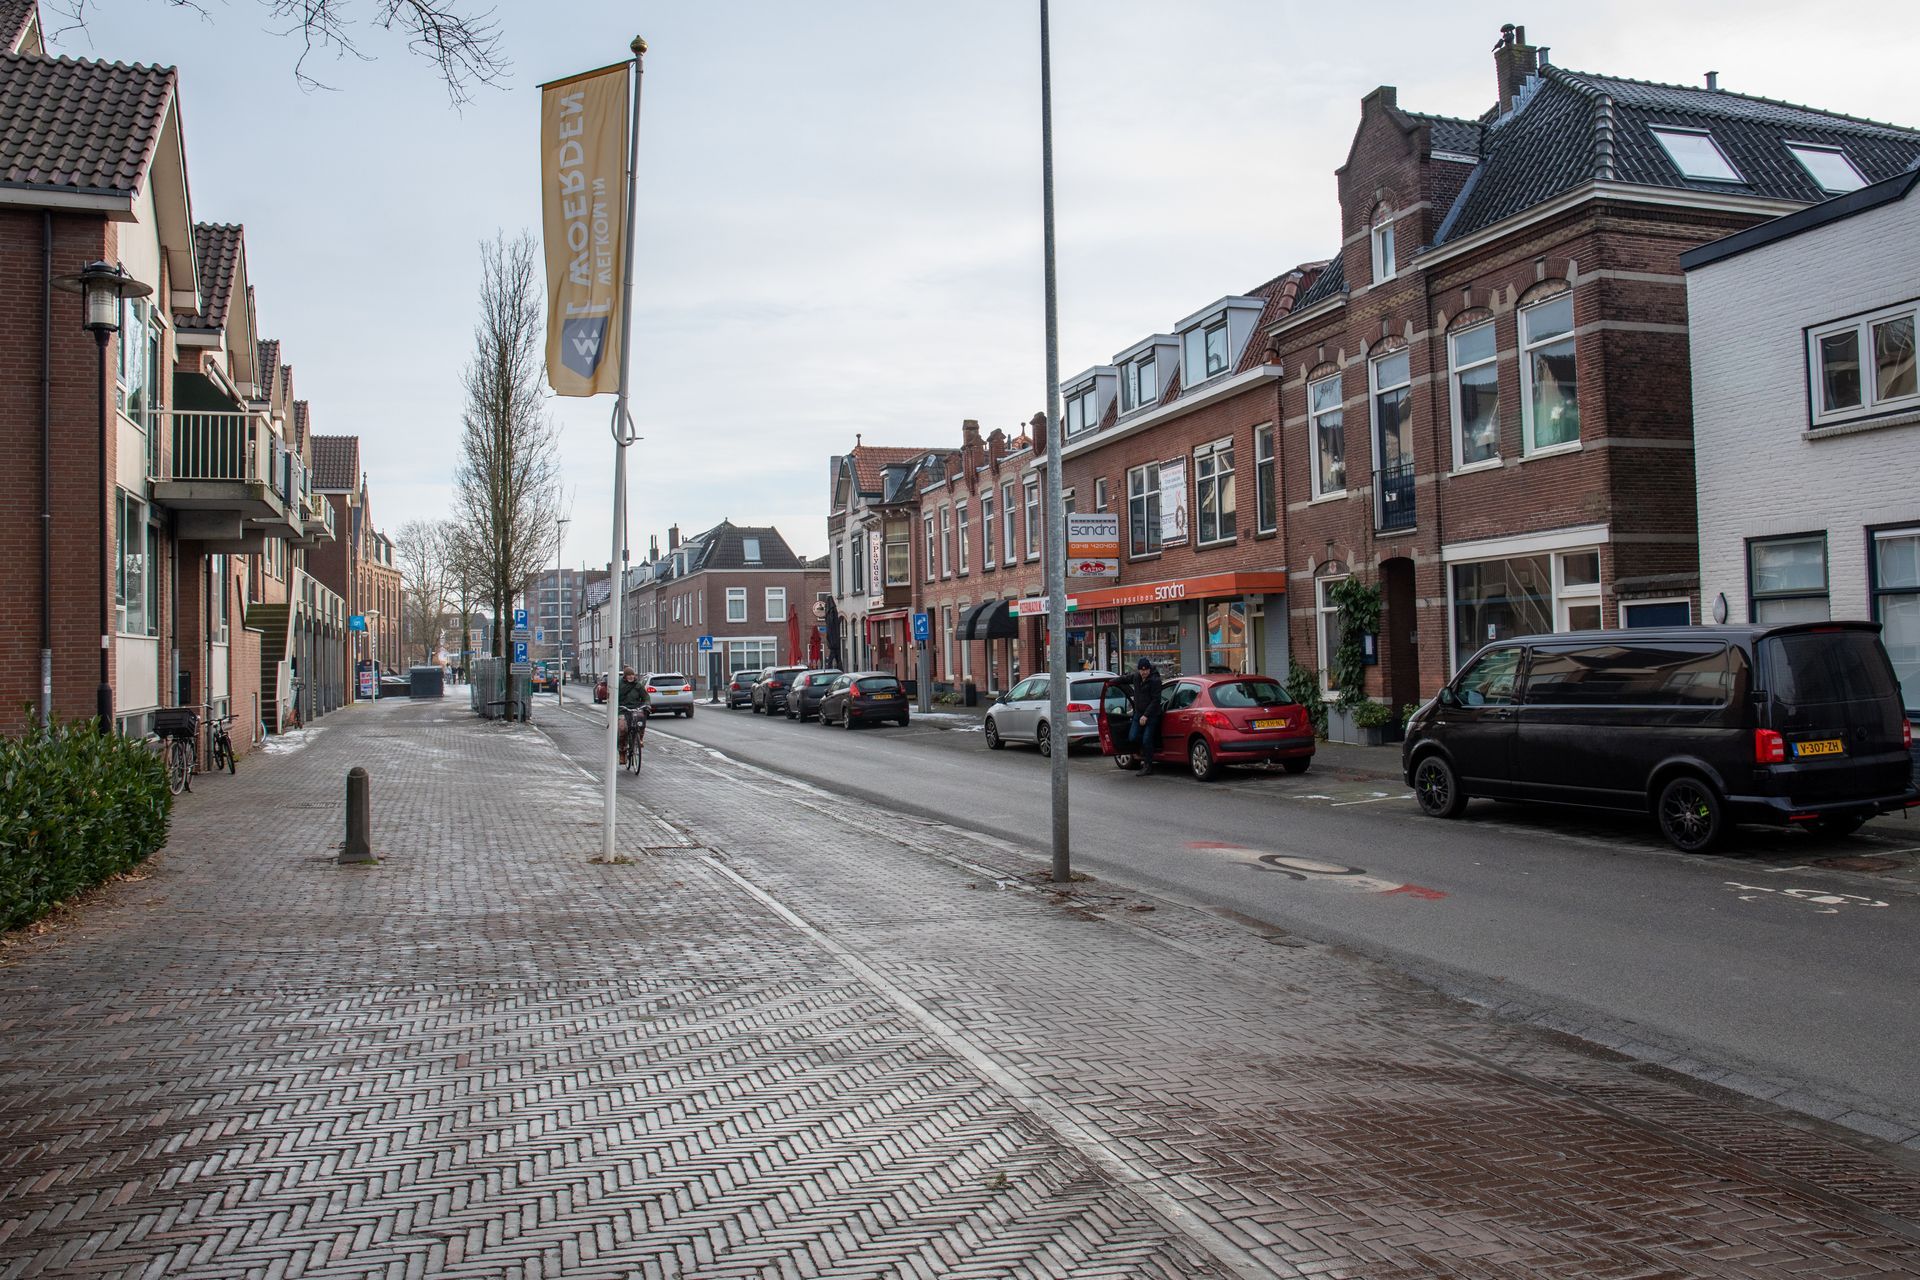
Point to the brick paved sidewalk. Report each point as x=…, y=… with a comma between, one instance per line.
x=801, y=1037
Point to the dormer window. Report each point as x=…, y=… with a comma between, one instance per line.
x=1696, y=155
x=1083, y=412
x=1139, y=384
x=1829, y=167
x=1384, y=263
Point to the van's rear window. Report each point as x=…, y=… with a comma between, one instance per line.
x=1811, y=667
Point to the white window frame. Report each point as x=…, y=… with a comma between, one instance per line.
x=987, y=529
x=1339, y=406
x=932, y=545
x=1212, y=452
x=1100, y=495
x=736, y=596
x=1031, y=503
x=1266, y=479
x=1454, y=369
x=1802, y=150
x=1131, y=397
x=1082, y=409
x=776, y=612
x=1862, y=327
x=1662, y=133
x=1520, y=549
x=1528, y=345
x=1385, y=249
x=1824, y=594
x=1148, y=521
x=1324, y=610
x=887, y=545
x=750, y=550
x=1568, y=598
x=946, y=542
x=1626, y=607
x=962, y=534
x=1009, y=524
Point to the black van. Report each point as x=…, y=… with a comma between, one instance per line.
x=1701, y=726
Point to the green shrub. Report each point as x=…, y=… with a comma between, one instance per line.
x=1303, y=686
x=1359, y=615
x=76, y=807
x=1372, y=715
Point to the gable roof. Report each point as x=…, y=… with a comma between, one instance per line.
x=1572, y=128
x=1450, y=133
x=1331, y=280
x=870, y=462
x=80, y=127
x=1838, y=209
x=300, y=413
x=336, y=463
x=20, y=27
x=269, y=364
x=218, y=247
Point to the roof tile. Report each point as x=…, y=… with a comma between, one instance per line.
x=217, y=250
x=336, y=463
x=78, y=126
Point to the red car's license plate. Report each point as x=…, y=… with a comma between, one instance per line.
x=1280, y=723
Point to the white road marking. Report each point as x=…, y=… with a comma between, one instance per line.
x=1825, y=903
x=1375, y=798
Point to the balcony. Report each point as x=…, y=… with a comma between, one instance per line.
x=317, y=523
x=1393, y=497
x=219, y=477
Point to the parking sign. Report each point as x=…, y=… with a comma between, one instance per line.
x=519, y=650
x=922, y=627
x=519, y=619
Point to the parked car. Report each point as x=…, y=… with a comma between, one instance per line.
x=1702, y=727
x=1212, y=721
x=600, y=690
x=1024, y=712
x=740, y=688
x=770, y=690
x=669, y=693
x=859, y=696
x=805, y=691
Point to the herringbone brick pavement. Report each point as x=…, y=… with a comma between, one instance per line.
x=489, y=1056
x=1323, y=1115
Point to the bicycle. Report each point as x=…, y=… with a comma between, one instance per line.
x=634, y=737
x=220, y=747
x=179, y=729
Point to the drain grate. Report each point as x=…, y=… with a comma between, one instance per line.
x=1860, y=862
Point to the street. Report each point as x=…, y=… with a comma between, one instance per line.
x=1758, y=968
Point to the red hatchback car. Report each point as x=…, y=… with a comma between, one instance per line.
x=1214, y=721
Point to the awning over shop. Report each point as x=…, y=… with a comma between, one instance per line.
x=989, y=620
x=1210, y=586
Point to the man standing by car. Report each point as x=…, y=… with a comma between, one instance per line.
x=1144, y=730
x=633, y=696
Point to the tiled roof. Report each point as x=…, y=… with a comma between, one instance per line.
x=15, y=17
x=300, y=412
x=216, y=249
x=336, y=462
x=870, y=462
x=1461, y=137
x=268, y=364
x=1574, y=128
x=77, y=126
x=720, y=548
x=1283, y=295
x=1331, y=281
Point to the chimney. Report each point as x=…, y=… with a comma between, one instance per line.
x=1037, y=431
x=997, y=444
x=1713, y=81
x=673, y=537
x=969, y=433
x=1514, y=60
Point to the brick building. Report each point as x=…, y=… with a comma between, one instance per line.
x=1807, y=415
x=871, y=524
x=359, y=566
x=555, y=599
x=1485, y=395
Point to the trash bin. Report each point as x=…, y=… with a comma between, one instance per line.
x=971, y=697
x=428, y=682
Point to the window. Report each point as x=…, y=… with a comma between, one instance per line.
x=1138, y=384
x=1392, y=380
x=986, y=530
x=1100, y=493
x=1384, y=264
x=1266, y=495
x=1492, y=681
x=1549, y=400
x=1865, y=366
x=1787, y=579
x=946, y=542
x=899, y=554
x=1476, y=396
x=946, y=640
x=857, y=553
x=776, y=604
x=750, y=550
x=1829, y=167
x=736, y=604
x=932, y=542
x=1205, y=350
x=1008, y=521
x=1216, y=338
x=1576, y=595
x=219, y=587
x=1895, y=587
x=839, y=569
x=1638, y=675
x=1696, y=155
x=1325, y=421
x=152, y=618
x=130, y=577
x=1496, y=599
x=1213, y=488
x=1066, y=501
x=1083, y=412
x=1143, y=510
x=749, y=655
x=963, y=530
x=1656, y=613
x=135, y=368
x=1326, y=628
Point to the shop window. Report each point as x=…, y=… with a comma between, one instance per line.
x=1227, y=637
x=1787, y=579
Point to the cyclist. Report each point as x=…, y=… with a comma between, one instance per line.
x=633, y=704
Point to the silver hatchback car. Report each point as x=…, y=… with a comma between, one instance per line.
x=1021, y=714
x=669, y=693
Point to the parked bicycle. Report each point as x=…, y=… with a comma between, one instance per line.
x=179, y=729
x=219, y=746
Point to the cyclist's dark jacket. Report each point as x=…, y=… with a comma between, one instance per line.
x=632, y=694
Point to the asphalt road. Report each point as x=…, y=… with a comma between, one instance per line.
x=1759, y=961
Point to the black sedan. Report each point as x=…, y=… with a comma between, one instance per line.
x=770, y=690
x=861, y=696
x=805, y=691
x=740, y=689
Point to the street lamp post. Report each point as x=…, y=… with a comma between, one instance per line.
x=1056, y=539
x=102, y=286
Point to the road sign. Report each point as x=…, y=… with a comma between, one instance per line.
x=922, y=627
x=356, y=622
x=519, y=653
x=519, y=619
x=706, y=644
x=522, y=668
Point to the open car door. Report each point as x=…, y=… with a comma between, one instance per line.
x=1116, y=715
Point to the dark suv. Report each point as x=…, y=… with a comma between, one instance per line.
x=1703, y=727
x=769, y=694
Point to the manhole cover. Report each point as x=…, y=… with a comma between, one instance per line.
x=1859, y=863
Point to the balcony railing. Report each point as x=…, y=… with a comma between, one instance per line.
x=1393, y=490
x=220, y=446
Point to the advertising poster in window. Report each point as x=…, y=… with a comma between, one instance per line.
x=1093, y=545
x=876, y=570
x=1173, y=502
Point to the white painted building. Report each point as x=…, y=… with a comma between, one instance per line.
x=1807, y=417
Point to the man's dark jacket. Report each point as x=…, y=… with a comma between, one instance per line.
x=1146, y=696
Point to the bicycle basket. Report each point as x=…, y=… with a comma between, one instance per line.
x=176, y=722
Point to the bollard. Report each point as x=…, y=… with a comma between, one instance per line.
x=359, y=843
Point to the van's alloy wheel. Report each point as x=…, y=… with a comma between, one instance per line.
x=1689, y=814
x=1436, y=788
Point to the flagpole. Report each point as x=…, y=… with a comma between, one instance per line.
x=623, y=435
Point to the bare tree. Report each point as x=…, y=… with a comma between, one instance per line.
x=466, y=579
x=421, y=552
x=508, y=481
x=463, y=47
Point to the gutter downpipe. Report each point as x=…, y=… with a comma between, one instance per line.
x=46, y=468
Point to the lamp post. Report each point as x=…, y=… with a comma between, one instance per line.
x=102, y=286
x=560, y=613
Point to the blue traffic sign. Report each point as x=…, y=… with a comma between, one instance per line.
x=519, y=650
x=706, y=644
x=356, y=622
x=519, y=619
x=922, y=627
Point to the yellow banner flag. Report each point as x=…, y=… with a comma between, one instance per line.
x=583, y=159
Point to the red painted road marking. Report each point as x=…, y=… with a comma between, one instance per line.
x=1419, y=891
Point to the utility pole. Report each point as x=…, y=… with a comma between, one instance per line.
x=1056, y=540
x=560, y=613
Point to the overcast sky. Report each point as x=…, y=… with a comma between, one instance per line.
x=839, y=214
